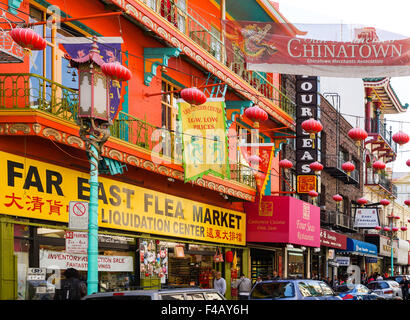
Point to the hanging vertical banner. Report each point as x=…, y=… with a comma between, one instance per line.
x=205, y=147
x=262, y=169
x=110, y=52
x=307, y=101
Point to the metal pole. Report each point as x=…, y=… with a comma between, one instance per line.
x=92, y=272
x=391, y=271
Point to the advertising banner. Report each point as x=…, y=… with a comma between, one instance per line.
x=283, y=219
x=38, y=190
x=332, y=239
x=63, y=260
x=205, y=146
x=366, y=218
x=324, y=50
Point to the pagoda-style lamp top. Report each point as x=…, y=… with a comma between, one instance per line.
x=94, y=86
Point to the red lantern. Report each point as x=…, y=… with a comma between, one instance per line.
x=397, y=217
x=312, y=126
x=395, y=229
x=256, y=114
x=401, y=138
x=337, y=198
x=408, y=163
x=362, y=201
x=377, y=228
x=348, y=167
x=193, y=96
x=403, y=228
x=384, y=202
x=286, y=164
x=386, y=229
x=228, y=256
x=254, y=159
x=28, y=39
x=357, y=134
x=379, y=165
x=407, y=202
x=316, y=166
x=117, y=72
x=313, y=194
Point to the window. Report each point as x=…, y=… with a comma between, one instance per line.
x=216, y=43
x=175, y=296
x=195, y=296
x=275, y=290
x=212, y=296
x=327, y=291
x=304, y=289
x=343, y=156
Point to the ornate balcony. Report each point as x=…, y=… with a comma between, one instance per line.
x=33, y=95
x=380, y=180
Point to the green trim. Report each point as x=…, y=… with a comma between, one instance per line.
x=173, y=81
x=157, y=53
x=65, y=15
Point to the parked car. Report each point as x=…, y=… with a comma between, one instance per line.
x=356, y=292
x=291, y=289
x=399, y=278
x=389, y=289
x=159, y=294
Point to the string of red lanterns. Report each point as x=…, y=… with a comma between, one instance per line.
x=348, y=167
x=362, y=201
x=285, y=164
x=379, y=165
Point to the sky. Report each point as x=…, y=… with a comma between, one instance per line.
x=391, y=15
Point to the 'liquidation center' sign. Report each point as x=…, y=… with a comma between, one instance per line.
x=39, y=190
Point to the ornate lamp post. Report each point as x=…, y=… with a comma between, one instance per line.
x=94, y=121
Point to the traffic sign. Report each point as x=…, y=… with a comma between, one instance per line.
x=78, y=215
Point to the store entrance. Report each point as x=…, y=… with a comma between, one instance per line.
x=262, y=264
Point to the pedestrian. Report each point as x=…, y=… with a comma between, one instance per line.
x=335, y=282
x=220, y=283
x=244, y=286
x=258, y=279
x=275, y=275
x=404, y=283
x=379, y=277
x=72, y=287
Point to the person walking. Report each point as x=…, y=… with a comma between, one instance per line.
x=220, y=283
x=275, y=275
x=244, y=286
x=404, y=283
x=72, y=288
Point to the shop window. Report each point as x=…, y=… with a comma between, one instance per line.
x=172, y=297
x=296, y=266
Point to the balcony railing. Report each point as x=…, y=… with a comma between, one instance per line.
x=333, y=165
x=373, y=178
x=201, y=31
x=380, y=127
x=31, y=91
x=337, y=219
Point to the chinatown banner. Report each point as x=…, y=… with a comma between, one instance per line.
x=323, y=50
x=204, y=139
x=110, y=50
x=34, y=189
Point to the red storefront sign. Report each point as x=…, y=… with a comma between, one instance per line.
x=332, y=239
x=283, y=220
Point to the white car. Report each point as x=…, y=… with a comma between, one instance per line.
x=388, y=289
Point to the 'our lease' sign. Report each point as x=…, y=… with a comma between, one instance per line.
x=39, y=190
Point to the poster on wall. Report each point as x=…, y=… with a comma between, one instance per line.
x=153, y=259
x=205, y=145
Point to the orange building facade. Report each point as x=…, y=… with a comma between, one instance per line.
x=146, y=210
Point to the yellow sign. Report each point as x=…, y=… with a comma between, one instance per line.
x=306, y=183
x=39, y=190
x=204, y=139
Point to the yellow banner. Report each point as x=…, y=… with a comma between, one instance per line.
x=39, y=190
x=204, y=139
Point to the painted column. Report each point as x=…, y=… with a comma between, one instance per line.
x=368, y=107
x=92, y=272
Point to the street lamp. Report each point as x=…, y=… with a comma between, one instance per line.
x=94, y=120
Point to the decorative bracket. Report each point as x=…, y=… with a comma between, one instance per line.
x=155, y=57
x=238, y=107
x=14, y=5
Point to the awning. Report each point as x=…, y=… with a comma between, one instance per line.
x=359, y=248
